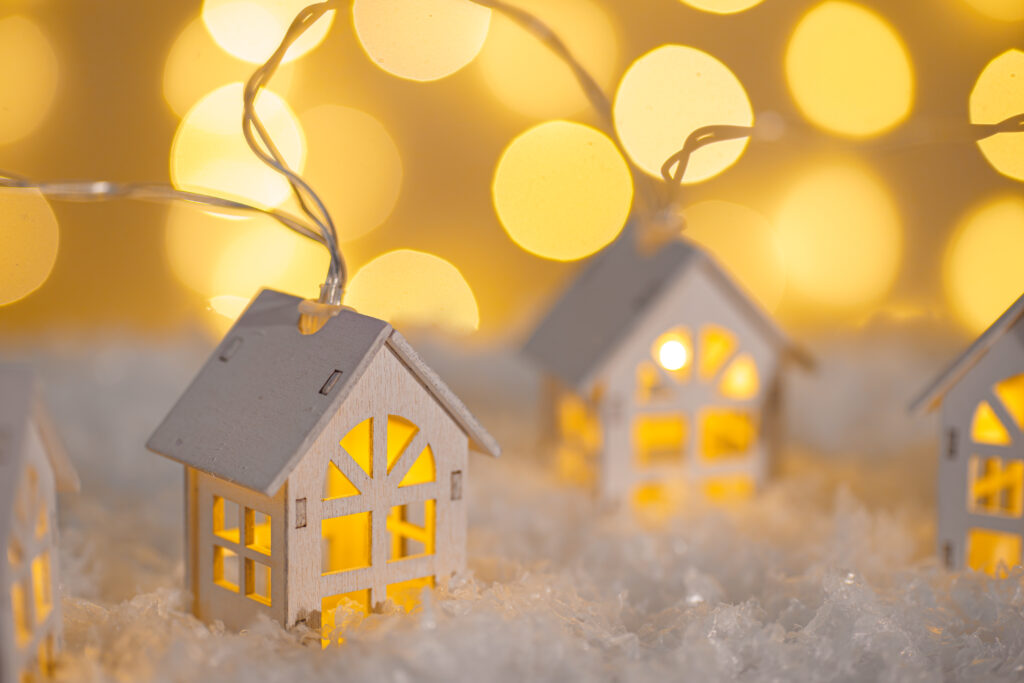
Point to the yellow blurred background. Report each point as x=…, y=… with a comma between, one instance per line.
x=468, y=177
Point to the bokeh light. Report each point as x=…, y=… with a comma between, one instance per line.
x=210, y=155
x=421, y=40
x=1003, y=10
x=196, y=65
x=527, y=77
x=744, y=243
x=29, y=238
x=997, y=95
x=841, y=237
x=252, y=29
x=848, y=70
x=982, y=273
x=216, y=255
x=354, y=166
x=414, y=288
x=28, y=77
x=722, y=6
x=562, y=190
x=667, y=94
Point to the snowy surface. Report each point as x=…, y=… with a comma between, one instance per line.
x=827, y=575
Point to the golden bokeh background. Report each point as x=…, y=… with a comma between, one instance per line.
x=862, y=190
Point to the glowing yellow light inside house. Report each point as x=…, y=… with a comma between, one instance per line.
x=252, y=29
x=210, y=155
x=673, y=355
x=722, y=6
x=196, y=65
x=742, y=241
x=1003, y=10
x=414, y=288
x=997, y=95
x=421, y=40
x=28, y=77
x=981, y=267
x=29, y=238
x=841, y=237
x=523, y=73
x=562, y=190
x=848, y=70
x=667, y=94
x=354, y=165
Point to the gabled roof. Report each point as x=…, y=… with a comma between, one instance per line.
x=929, y=399
x=614, y=290
x=256, y=406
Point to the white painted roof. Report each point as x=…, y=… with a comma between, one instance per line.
x=256, y=406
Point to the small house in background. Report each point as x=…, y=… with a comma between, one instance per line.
x=320, y=469
x=661, y=370
x=981, y=448
x=33, y=467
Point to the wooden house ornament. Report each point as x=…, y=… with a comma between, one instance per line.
x=980, y=399
x=661, y=370
x=320, y=469
x=33, y=467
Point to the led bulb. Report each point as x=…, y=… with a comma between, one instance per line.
x=672, y=355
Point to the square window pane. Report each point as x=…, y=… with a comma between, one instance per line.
x=408, y=594
x=988, y=550
x=410, y=530
x=225, y=568
x=660, y=439
x=257, y=581
x=257, y=531
x=335, y=609
x=19, y=607
x=225, y=519
x=346, y=543
x=42, y=587
x=727, y=434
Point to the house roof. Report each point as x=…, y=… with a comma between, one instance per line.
x=929, y=399
x=614, y=290
x=256, y=406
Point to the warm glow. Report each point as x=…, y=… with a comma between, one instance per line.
x=1003, y=10
x=672, y=355
x=995, y=486
x=252, y=29
x=196, y=65
x=562, y=190
x=722, y=6
x=841, y=237
x=993, y=552
x=210, y=155
x=29, y=238
x=408, y=287
x=744, y=243
x=998, y=95
x=422, y=40
x=726, y=434
x=528, y=78
x=228, y=305
x=660, y=439
x=729, y=488
x=28, y=79
x=740, y=380
x=986, y=427
x=354, y=165
x=981, y=268
x=667, y=94
x=849, y=71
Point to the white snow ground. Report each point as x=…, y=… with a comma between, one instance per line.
x=826, y=576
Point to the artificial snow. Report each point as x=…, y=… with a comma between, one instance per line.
x=827, y=575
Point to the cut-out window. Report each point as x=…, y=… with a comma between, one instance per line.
x=42, y=586
x=659, y=439
x=225, y=568
x=1010, y=392
x=20, y=614
x=257, y=531
x=717, y=344
x=346, y=543
x=358, y=443
x=225, y=519
x=993, y=552
x=422, y=470
x=400, y=434
x=651, y=385
x=257, y=582
x=986, y=428
x=335, y=608
x=726, y=434
x=995, y=487
x=673, y=351
x=337, y=485
x=740, y=380
x=407, y=594
x=45, y=657
x=411, y=530
x=727, y=488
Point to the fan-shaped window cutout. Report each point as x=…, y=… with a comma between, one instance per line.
x=400, y=434
x=1011, y=392
x=337, y=485
x=358, y=443
x=422, y=471
x=986, y=427
x=717, y=344
x=740, y=380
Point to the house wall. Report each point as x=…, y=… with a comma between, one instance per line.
x=30, y=644
x=1005, y=359
x=694, y=299
x=386, y=388
x=215, y=602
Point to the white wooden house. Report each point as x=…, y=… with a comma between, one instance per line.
x=661, y=370
x=320, y=469
x=33, y=467
x=981, y=448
